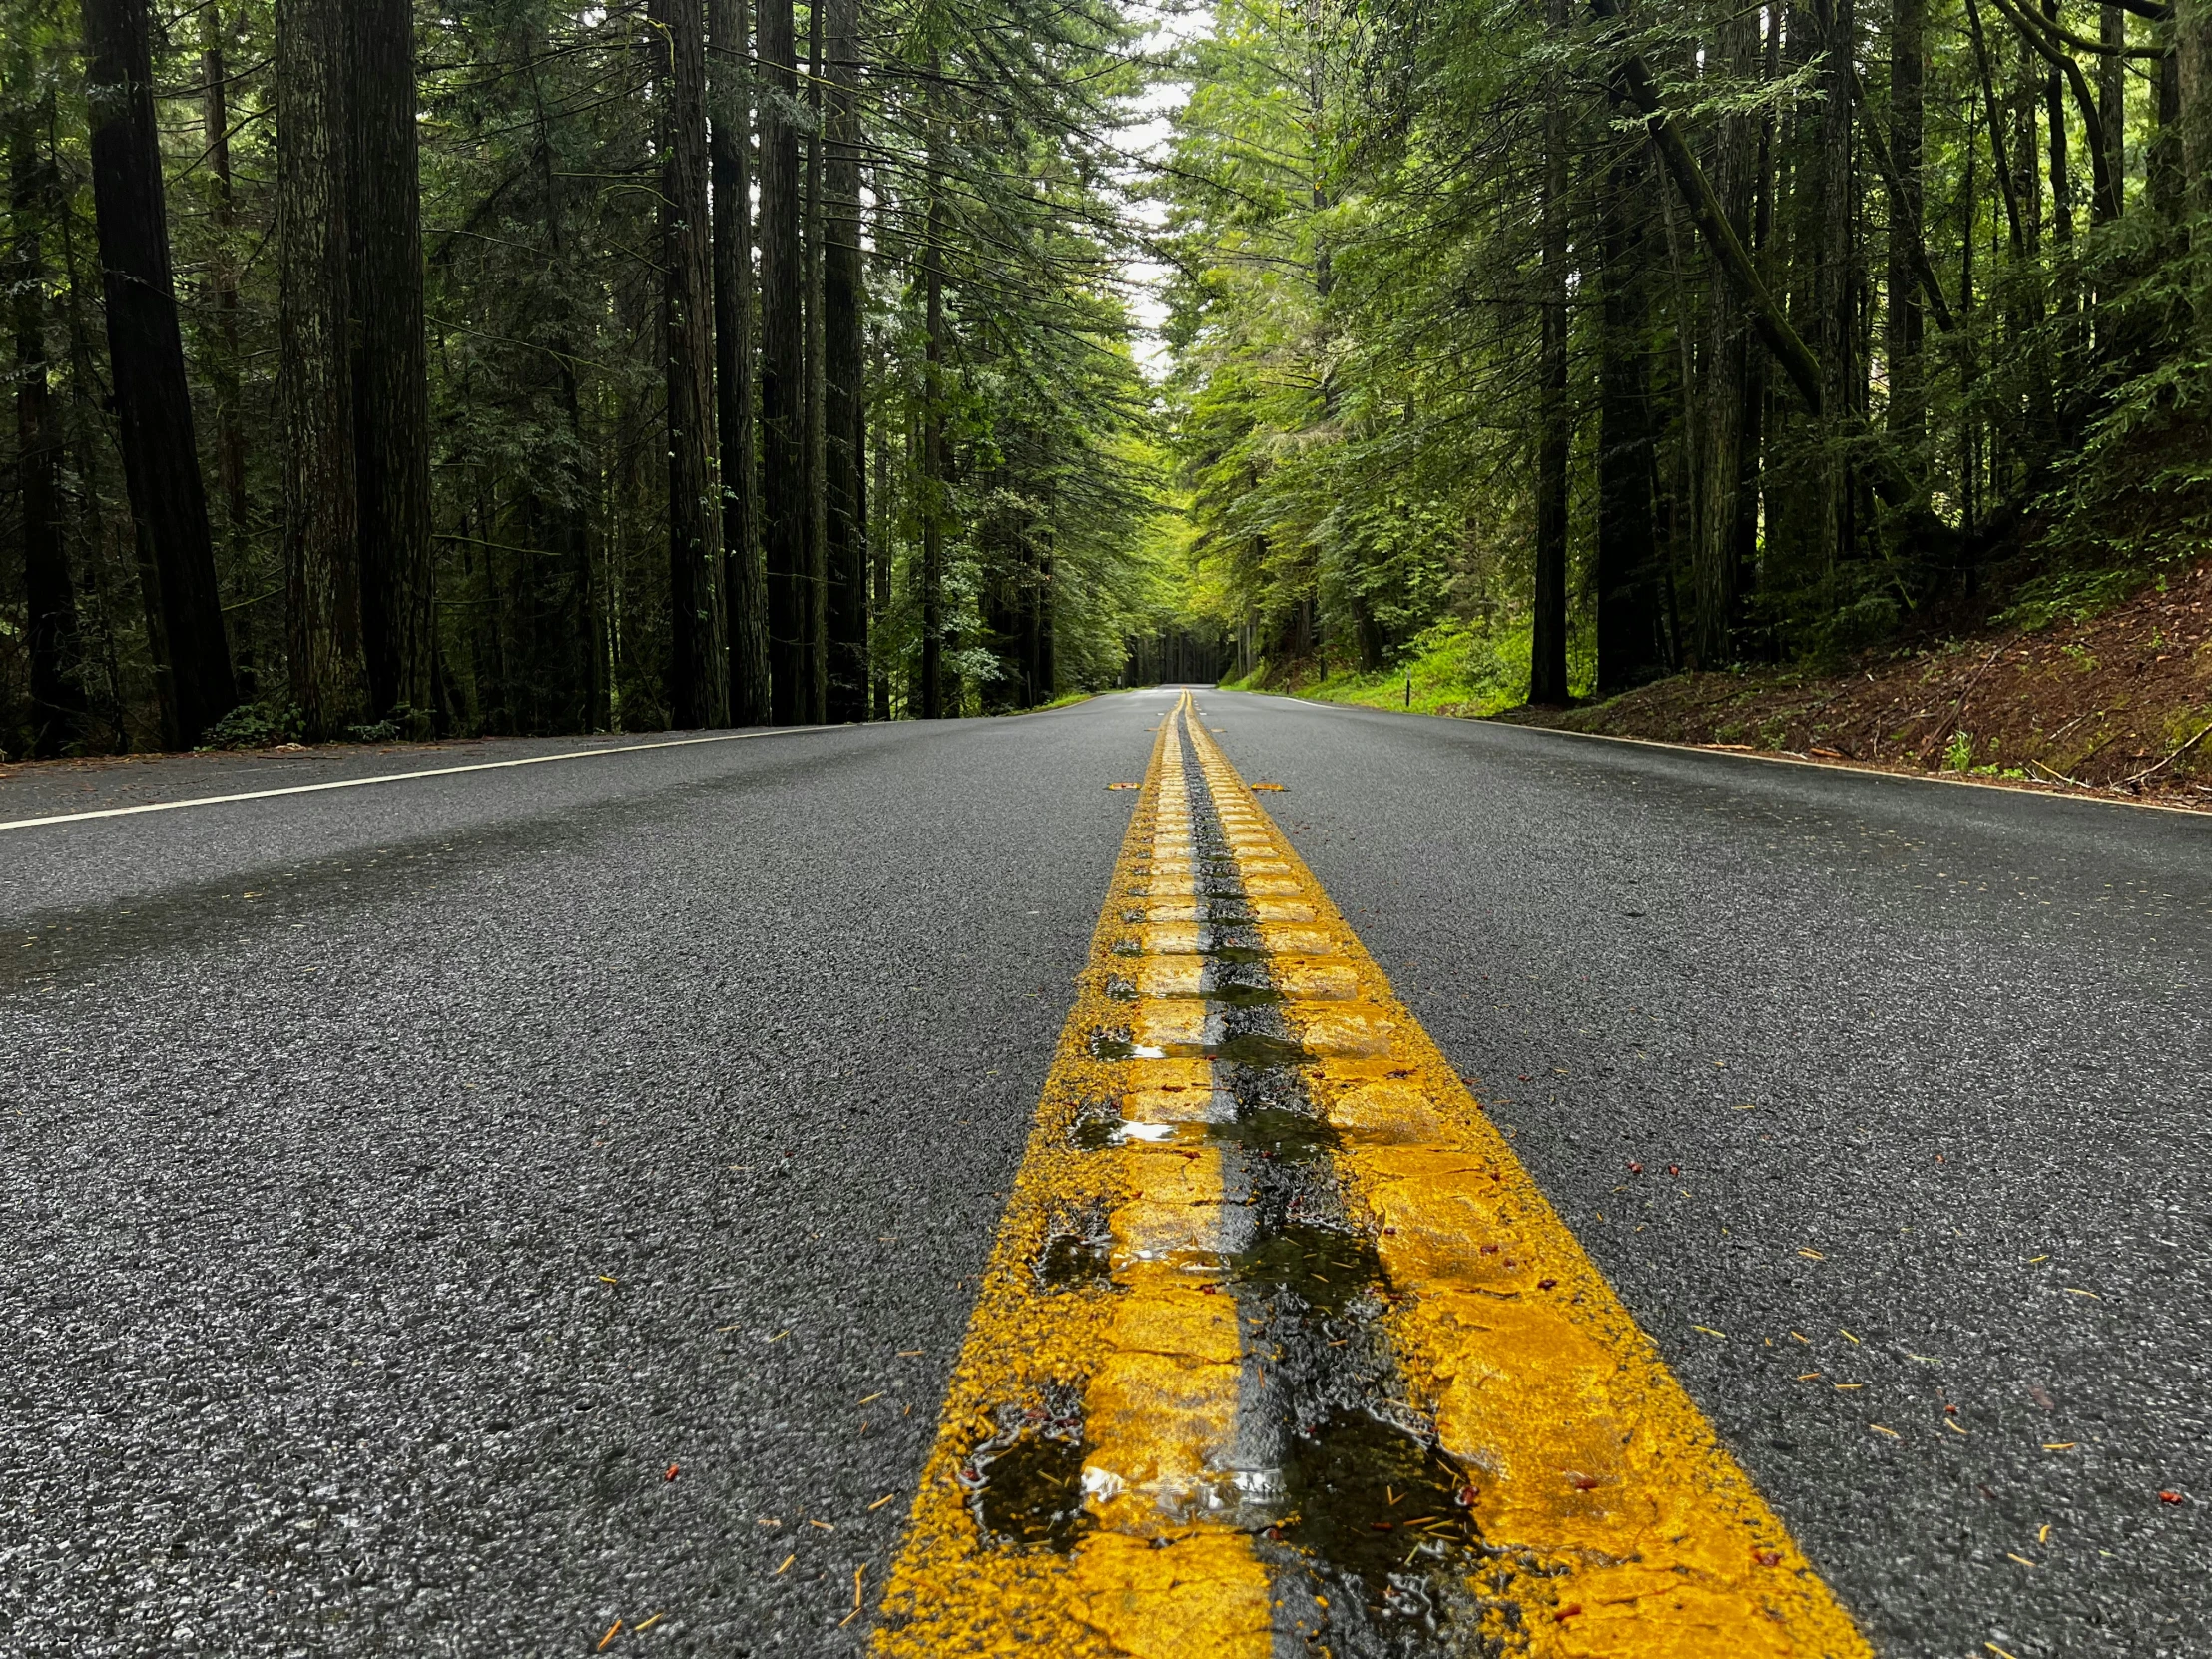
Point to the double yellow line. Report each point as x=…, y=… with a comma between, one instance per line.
x=1280, y=1342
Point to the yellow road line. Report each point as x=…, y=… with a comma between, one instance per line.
x=1272, y=1302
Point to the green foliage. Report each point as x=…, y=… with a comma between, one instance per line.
x=256, y=726
x=1356, y=208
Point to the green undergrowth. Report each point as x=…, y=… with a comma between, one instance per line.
x=1455, y=668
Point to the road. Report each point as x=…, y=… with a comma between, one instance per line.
x=457, y=1214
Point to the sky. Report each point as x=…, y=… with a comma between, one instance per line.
x=1150, y=126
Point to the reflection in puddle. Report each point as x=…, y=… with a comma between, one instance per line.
x=1026, y=1483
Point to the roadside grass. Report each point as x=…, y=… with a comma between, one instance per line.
x=1455, y=668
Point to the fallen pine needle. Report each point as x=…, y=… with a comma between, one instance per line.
x=825, y=1526
x=1952, y=1427
x=2043, y=1537
x=1845, y=1334
x=1806, y=1376
x=1879, y=1429
x=2076, y=1290
x=909, y=1353
x=880, y=1502
x=1812, y=1256
x=2060, y=1445
x=2023, y=1560
x=1998, y=1651
x=604, y=1279
x=612, y=1630
x=641, y=1629
x=872, y=1399
x=779, y=1336
x=1802, y=1337
x=788, y=1560
x=1709, y=1331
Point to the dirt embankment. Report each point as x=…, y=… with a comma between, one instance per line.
x=2119, y=703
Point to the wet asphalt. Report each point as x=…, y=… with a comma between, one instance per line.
x=449, y=1217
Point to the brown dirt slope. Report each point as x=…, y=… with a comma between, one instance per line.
x=2115, y=703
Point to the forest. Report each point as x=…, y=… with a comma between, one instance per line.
x=385, y=370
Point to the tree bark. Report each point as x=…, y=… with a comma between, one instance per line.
x=1838, y=277
x=223, y=284
x=2192, y=32
x=2062, y=174
x=817, y=588
x=391, y=385
x=879, y=549
x=145, y=356
x=698, y=688
x=2112, y=97
x=1720, y=470
x=933, y=479
x=1547, y=669
x=2162, y=160
x=322, y=579
x=783, y=371
x=1906, y=321
x=745, y=597
x=845, y=412
x=50, y=597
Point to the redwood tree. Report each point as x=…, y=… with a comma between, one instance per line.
x=783, y=436
x=392, y=389
x=315, y=370
x=730, y=142
x=146, y=356
x=697, y=675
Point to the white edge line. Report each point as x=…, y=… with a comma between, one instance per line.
x=401, y=776
x=1759, y=754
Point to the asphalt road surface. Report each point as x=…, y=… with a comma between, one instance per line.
x=452, y=1215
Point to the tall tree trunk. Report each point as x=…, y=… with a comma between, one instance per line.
x=1837, y=278
x=2061, y=170
x=1906, y=313
x=1547, y=667
x=782, y=435
x=223, y=284
x=1734, y=54
x=817, y=518
x=2112, y=96
x=50, y=597
x=745, y=596
x=392, y=384
x=145, y=356
x=698, y=691
x=880, y=548
x=2162, y=160
x=933, y=479
x=844, y=411
x=1752, y=489
x=323, y=578
x=2192, y=34
x=1626, y=627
